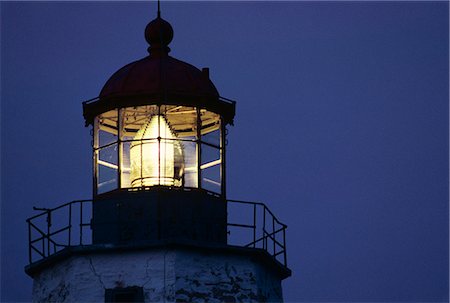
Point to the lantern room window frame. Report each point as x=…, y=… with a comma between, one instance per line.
x=202, y=135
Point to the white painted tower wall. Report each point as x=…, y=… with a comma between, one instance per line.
x=173, y=275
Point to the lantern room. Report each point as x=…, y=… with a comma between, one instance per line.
x=159, y=122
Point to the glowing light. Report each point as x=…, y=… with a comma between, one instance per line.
x=156, y=158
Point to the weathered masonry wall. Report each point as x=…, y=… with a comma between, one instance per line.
x=165, y=276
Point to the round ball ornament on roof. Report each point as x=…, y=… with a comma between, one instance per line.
x=159, y=34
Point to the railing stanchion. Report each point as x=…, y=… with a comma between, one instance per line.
x=48, y=231
x=284, y=246
x=70, y=224
x=264, y=229
x=29, y=241
x=274, y=236
x=81, y=223
x=254, y=225
x=43, y=245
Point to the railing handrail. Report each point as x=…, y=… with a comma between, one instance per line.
x=44, y=212
x=262, y=204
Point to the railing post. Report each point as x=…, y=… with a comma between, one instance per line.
x=273, y=235
x=49, y=222
x=70, y=224
x=43, y=245
x=29, y=241
x=264, y=229
x=81, y=223
x=284, y=246
x=254, y=225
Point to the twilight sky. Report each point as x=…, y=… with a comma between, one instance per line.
x=341, y=127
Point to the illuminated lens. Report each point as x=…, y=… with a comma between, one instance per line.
x=153, y=161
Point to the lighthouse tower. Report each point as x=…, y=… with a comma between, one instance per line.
x=159, y=227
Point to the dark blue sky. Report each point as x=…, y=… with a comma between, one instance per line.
x=341, y=127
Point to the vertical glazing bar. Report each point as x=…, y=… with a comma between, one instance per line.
x=199, y=149
x=254, y=225
x=284, y=246
x=223, y=140
x=70, y=224
x=141, y=165
x=119, y=148
x=95, y=156
x=81, y=223
x=95, y=168
x=29, y=242
x=48, y=232
x=159, y=145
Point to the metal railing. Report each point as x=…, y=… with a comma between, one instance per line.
x=267, y=232
x=250, y=224
x=57, y=228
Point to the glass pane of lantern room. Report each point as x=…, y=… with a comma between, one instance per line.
x=125, y=165
x=107, y=128
x=210, y=168
x=211, y=179
x=210, y=127
x=135, y=143
x=107, y=168
x=182, y=121
x=210, y=151
x=190, y=175
x=131, y=120
x=105, y=151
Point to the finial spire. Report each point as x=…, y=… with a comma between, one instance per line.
x=159, y=9
x=159, y=34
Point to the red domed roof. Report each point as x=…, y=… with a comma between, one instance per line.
x=159, y=75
